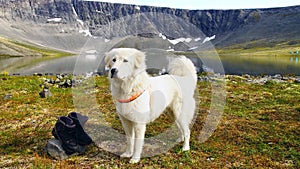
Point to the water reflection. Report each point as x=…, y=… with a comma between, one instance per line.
x=255, y=65
x=296, y=59
x=5, y=63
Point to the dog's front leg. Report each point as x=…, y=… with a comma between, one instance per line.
x=139, y=130
x=129, y=131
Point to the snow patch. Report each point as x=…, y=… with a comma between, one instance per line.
x=137, y=7
x=85, y=32
x=80, y=21
x=207, y=39
x=170, y=50
x=74, y=11
x=193, y=48
x=197, y=39
x=162, y=36
x=175, y=41
x=54, y=20
x=188, y=40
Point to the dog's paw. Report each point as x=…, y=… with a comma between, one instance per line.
x=186, y=148
x=134, y=160
x=126, y=155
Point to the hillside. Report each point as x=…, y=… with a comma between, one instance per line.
x=67, y=24
x=22, y=54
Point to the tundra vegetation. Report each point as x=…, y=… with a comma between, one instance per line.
x=259, y=127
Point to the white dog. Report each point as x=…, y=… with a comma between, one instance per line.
x=140, y=98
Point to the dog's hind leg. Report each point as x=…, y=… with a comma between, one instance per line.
x=129, y=131
x=184, y=128
x=184, y=117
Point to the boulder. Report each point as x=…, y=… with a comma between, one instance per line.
x=54, y=149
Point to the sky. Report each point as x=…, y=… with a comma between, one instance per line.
x=210, y=4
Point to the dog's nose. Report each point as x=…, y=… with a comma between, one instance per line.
x=113, y=72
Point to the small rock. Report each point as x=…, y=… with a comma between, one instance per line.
x=58, y=80
x=262, y=80
x=37, y=74
x=247, y=76
x=49, y=74
x=210, y=159
x=55, y=149
x=277, y=76
x=249, y=80
x=7, y=97
x=45, y=93
x=51, y=81
x=285, y=78
x=69, y=82
x=277, y=80
x=65, y=84
x=60, y=76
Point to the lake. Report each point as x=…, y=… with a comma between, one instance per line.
x=258, y=65
x=253, y=65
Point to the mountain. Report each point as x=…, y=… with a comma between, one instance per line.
x=58, y=23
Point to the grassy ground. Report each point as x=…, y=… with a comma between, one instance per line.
x=259, y=128
x=262, y=48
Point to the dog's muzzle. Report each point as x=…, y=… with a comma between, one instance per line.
x=113, y=72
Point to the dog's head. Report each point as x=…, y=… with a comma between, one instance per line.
x=124, y=62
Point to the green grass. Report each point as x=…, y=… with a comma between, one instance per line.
x=46, y=52
x=259, y=128
x=253, y=48
x=261, y=48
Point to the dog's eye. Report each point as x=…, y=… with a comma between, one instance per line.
x=125, y=60
x=114, y=60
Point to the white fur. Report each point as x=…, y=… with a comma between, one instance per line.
x=175, y=91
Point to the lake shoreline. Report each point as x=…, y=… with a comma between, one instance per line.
x=255, y=79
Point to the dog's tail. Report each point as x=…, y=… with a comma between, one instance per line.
x=183, y=66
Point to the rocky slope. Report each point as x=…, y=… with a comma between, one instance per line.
x=62, y=19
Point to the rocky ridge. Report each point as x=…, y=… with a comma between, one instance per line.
x=228, y=26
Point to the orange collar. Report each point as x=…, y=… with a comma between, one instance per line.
x=132, y=98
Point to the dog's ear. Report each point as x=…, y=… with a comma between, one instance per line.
x=139, y=59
